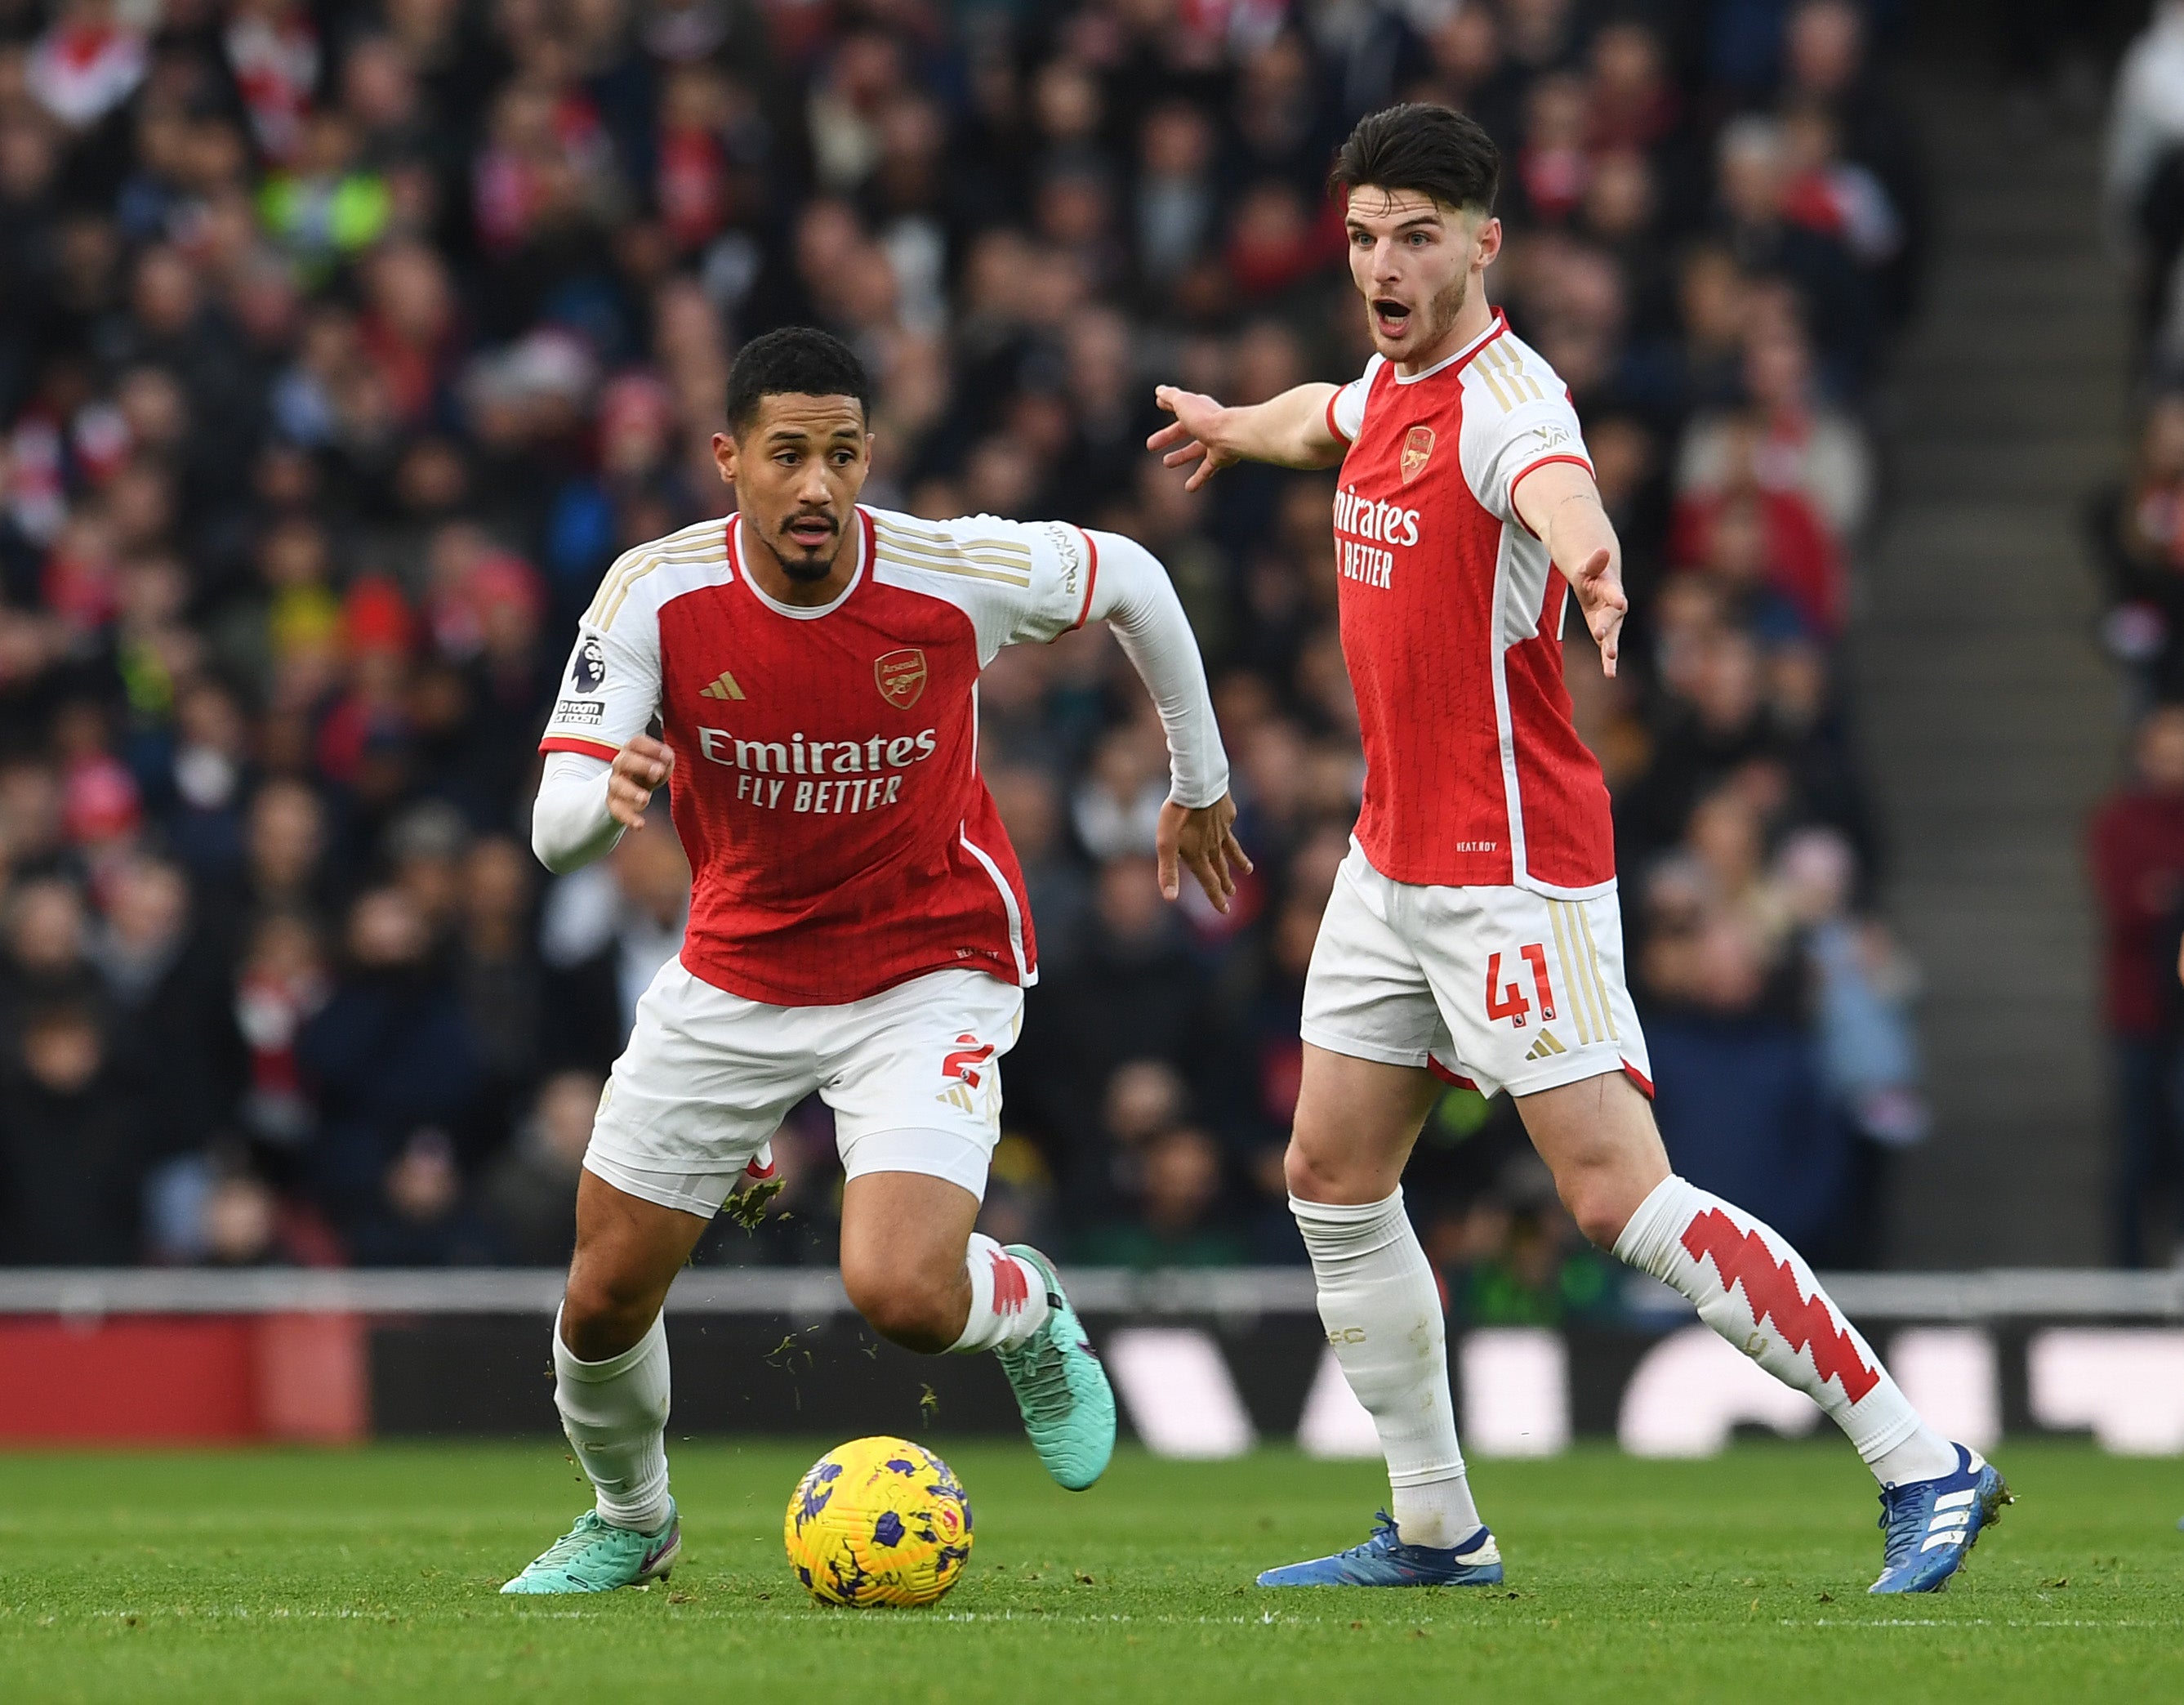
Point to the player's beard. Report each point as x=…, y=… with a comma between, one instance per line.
x=1442, y=314
x=796, y=559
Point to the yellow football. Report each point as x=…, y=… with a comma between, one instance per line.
x=878, y=1521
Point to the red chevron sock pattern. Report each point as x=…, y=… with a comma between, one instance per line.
x=1770, y=1290
x=1011, y=1290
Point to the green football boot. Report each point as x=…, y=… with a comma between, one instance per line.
x=1068, y=1406
x=594, y=1556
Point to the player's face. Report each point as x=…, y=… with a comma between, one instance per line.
x=1414, y=259
x=797, y=470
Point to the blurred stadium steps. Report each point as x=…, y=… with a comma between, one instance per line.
x=1990, y=718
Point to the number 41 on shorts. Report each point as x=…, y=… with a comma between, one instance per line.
x=1506, y=1001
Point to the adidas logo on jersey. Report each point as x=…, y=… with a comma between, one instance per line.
x=724, y=687
x=1546, y=1048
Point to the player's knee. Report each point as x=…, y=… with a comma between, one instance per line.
x=604, y=1313
x=1315, y=1175
x=904, y=1308
x=1598, y=1202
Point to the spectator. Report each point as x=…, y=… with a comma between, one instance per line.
x=1178, y=1222
x=391, y=1053
x=1832, y=291
x=529, y=1195
x=68, y=1151
x=2138, y=857
x=2145, y=189
x=1135, y=994
x=2138, y=541
x=1514, y=1258
x=280, y=985
x=173, y=1025
x=502, y=984
x=1803, y=445
x=424, y=1216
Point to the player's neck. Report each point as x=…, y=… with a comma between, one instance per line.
x=763, y=565
x=1471, y=323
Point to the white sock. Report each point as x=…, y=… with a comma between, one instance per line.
x=1756, y=1291
x=614, y=1412
x=1383, y=1314
x=1008, y=1298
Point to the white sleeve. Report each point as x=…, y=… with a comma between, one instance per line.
x=610, y=690
x=1346, y=410
x=569, y=823
x=1133, y=595
x=1501, y=446
x=1066, y=566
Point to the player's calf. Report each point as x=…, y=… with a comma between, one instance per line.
x=904, y=1236
x=919, y=1274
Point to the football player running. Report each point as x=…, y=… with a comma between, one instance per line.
x=1474, y=934
x=858, y=922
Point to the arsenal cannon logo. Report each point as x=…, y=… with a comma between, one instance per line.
x=1418, y=450
x=901, y=677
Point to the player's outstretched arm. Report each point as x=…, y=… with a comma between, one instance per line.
x=1561, y=504
x=1133, y=595
x=1289, y=431
x=585, y=802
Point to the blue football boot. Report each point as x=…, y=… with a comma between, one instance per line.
x=1384, y=1560
x=1932, y=1525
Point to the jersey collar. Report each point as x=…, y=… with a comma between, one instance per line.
x=799, y=612
x=1501, y=324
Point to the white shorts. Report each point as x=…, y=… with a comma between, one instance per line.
x=1491, y=988
x=913, y=1075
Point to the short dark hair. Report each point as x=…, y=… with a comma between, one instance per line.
x=1432, y=150
x=796, y=360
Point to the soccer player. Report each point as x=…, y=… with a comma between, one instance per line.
x=858, y=925
x=1474, y=934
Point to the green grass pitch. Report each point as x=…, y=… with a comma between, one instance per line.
x=370, y=1575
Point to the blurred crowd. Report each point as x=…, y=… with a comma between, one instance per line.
x=345, y=344
x=2135, y=531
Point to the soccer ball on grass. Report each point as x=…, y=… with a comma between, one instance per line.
x=877, y=1521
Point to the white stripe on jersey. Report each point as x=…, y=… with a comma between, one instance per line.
x=1025, y=975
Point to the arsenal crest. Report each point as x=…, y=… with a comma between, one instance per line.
x=901, y=677
x=1418, y=451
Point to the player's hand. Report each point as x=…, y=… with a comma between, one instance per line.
x=1599, y=586
x=1203, y=839
x=1196, y=435
x=639, y=768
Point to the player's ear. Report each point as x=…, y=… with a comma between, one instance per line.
x=1486, y=240
x=724, y=457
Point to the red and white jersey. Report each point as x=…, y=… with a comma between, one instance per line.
x=826, y=782
x=1451, y=623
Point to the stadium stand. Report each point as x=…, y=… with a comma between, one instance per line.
x=345, y=345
